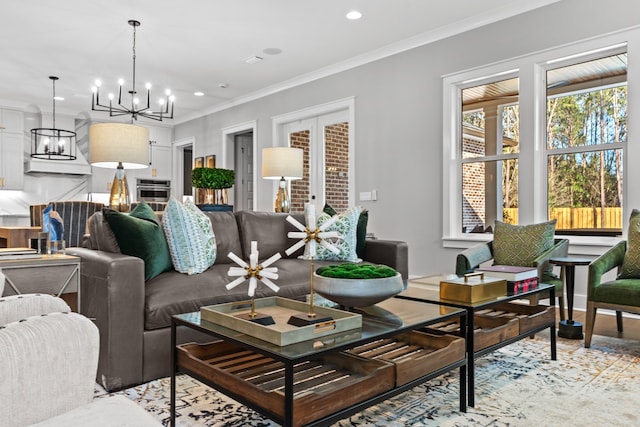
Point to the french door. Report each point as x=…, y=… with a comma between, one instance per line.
x=327, y=172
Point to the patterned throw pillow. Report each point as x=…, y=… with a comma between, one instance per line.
x=190, y=237
x=346, y=226
x=361, y=232
x=631, y=263
x=140, y=234
x=522, y=244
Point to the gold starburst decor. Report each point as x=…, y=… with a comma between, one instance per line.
x=311, y=235
x=254, y=272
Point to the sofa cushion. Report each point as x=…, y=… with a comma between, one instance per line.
x=225, y=228
x=190, y=237
x=522, y=244
x=173, y=293
x=140, y=234
x=101, y=237
x=270, y=230
x=631, y=263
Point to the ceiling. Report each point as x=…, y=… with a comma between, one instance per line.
x=201, y=45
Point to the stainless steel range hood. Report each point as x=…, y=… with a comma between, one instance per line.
x=78, y=166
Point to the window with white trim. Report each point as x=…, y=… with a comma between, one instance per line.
x=586, y=134
x=539, y=137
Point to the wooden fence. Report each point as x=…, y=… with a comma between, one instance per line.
x=571, y=218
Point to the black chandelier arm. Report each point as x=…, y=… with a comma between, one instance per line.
x=165, y=110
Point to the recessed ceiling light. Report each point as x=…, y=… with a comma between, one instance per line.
x=198, y=93
x=353, y=15
x=272, y=51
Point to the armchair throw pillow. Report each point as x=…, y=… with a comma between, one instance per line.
x=522, y=244
x=190, y=237
x=631, y=263
x=140, y=234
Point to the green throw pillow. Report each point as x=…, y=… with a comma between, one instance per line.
x=361, y=231
x=140, y=234
x=190, y=237
x=522, y=244
x=631, y=263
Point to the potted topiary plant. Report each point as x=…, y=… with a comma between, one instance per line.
x=211, y=185
x=357, y=285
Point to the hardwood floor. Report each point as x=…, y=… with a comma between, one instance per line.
x=606, y=325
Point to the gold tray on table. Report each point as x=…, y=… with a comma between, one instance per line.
x=281, y=309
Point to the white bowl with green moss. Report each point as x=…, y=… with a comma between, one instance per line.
x=357, y=290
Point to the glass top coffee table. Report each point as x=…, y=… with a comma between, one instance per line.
x=426, y=289
x=387, y=319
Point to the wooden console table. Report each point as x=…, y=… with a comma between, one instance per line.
x=18, y=237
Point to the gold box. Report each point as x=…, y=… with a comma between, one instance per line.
x=472, y=288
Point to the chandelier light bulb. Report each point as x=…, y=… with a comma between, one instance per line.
x=98, y=83
x=110, y=96
x=94, y=89
x=136, y=101
x=167, y=92
x=172, y=98
x=120, y=82
x=46, y=142
x=148, y=86
x=161, y=101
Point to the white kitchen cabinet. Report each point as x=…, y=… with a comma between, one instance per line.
x=160, y=162
x=11, y=150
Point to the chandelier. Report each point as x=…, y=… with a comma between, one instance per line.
x=52, y=143
x=165, y=108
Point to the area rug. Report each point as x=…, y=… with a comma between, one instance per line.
x=518, y=385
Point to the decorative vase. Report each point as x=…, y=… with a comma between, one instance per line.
x=220, y=196
x=211, y=196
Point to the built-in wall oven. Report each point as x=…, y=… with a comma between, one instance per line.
x=153, y=190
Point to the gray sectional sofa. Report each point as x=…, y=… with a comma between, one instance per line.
x=134, y=316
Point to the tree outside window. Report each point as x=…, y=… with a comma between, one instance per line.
x=586, y=130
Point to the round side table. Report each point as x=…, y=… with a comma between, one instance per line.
x=570, y=328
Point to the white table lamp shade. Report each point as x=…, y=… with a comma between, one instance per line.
x=282, y=162
x=111, y=143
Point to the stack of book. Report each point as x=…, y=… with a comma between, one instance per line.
x=17, y=253
x=519, y=279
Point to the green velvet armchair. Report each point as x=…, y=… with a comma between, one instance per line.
x=470, y=259
x=618, y=294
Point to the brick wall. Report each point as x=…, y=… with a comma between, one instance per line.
x=337, y=166
x=473, y=188
x=300, y=187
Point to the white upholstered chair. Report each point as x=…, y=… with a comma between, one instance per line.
x=49, y=358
